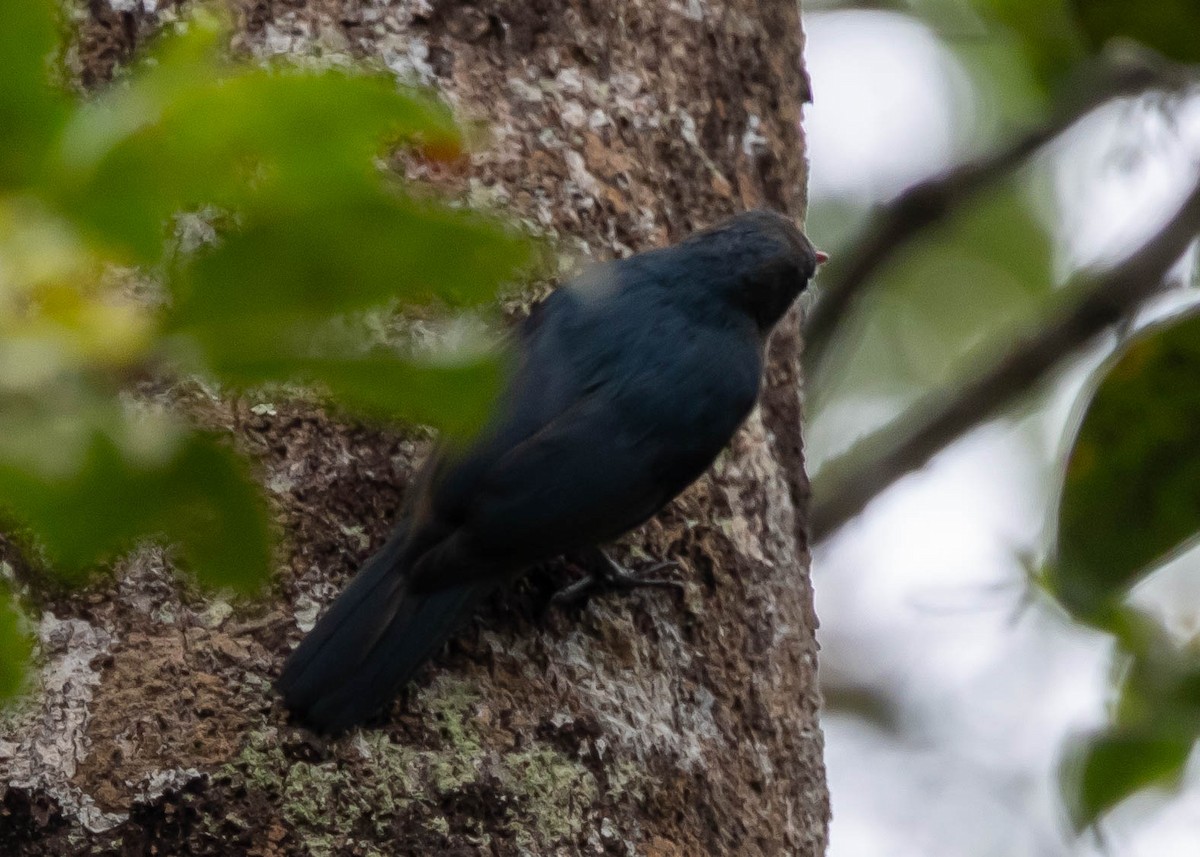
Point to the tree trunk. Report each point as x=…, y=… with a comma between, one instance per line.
x=646, y=723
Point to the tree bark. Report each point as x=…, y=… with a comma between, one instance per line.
x=646, y=723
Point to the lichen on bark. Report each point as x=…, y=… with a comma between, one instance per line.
x=640, y=724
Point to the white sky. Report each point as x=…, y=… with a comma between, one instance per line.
x=883, y=103
x=922, y=598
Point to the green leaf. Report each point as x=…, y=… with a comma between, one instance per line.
x=15, y=647
x=199, y=497
x=1010, y=93
x=1170, y=27
x=1104, y=769
x=1047, y=32
x=352, y=251
x=1131, y=493
x=193, y=130
x=986, y=267
x=1160, y=683
x=82, y=518
x=454, y=397
x=31, y=112
x=214, y=511
x=286, y=162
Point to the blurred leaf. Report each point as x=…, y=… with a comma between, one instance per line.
x=455, y=398
x=837, y=220
x=299, y=223
x=1008, y=93
x=84, y=517
x=47, y=429
x=1171, y=27
x=1047, y=33
x=1104, y=769
x=71, y=329
x=984, y=269
x=193, y=130
x=349, y=252
x=213, y=510
x=31, y=112
x=1160, y=686
x=872, y=705
x=37, y=248
x=15, y=647
x=1131, y=492
x=200, y=497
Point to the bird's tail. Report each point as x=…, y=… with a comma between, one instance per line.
x=370, y=642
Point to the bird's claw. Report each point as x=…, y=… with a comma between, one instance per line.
x=606, y=574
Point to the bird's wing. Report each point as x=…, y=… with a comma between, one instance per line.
x=586, y=446
x=544, y=384
x=581, y=479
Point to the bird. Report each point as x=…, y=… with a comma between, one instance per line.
x=625, y=384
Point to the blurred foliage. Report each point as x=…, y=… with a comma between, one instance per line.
x=1131, y=500
x=30, y=113
x=940, y=297
x=1056, y=35
x=1108, y=767
x=1155, y=723
x=14, y=646
x=1045, y=31
x=1169, y=27
x=276, y=168
x=969, y=285
x=1131, y=492
x=198, y=496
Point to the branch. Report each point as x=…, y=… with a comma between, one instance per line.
x=929, y=202
x=845, y=485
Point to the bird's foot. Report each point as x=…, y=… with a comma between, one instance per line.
x=605, y=574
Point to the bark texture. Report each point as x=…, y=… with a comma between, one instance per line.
x=643, y=724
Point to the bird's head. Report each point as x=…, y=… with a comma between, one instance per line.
x=758, y=261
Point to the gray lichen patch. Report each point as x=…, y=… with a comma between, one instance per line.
x=555, y=795
x=538, y=794
x=328, y=804
x=645, y=697
x=455, y=763
x=44, y=741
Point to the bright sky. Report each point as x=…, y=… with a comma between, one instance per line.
x=922, y=598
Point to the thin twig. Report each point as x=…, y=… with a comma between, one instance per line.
x=845, y=485
x=894, y=224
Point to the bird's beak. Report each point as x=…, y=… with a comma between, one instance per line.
x=822, y=258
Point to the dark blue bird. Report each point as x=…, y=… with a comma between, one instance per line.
x=627, y=384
